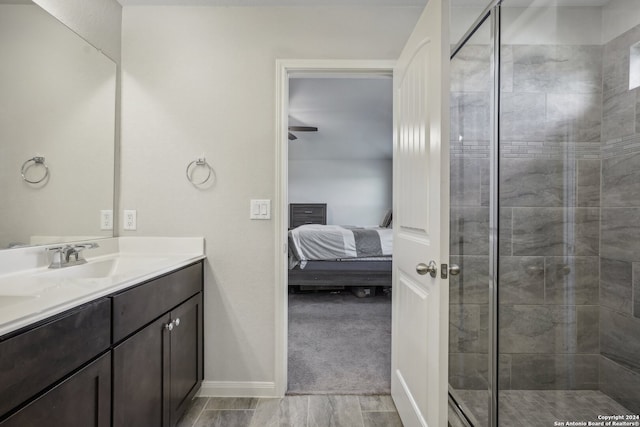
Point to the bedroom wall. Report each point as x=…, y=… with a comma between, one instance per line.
x=357, y=192
x=201, y=80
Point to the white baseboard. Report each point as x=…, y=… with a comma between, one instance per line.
x=238, y=389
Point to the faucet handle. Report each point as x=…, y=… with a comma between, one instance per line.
x=83, y=246
x=54, y=249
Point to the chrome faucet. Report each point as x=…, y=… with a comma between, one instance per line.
x=62, y=254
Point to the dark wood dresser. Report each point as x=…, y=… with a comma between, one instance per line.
x=307, y=213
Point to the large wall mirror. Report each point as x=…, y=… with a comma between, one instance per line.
x=57, y=128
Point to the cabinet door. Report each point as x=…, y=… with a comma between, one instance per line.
x=186, y=355
x=139, y=367
x=82, y=400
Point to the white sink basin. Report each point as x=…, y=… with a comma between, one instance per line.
x=110, y=267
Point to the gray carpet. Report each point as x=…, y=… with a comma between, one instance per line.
x=339, y=344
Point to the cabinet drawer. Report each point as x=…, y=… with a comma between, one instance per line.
x=307, y=211
x=136, y=307
x=82, y=400
x=307, y=220
x=31, y=361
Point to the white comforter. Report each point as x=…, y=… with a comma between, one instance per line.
x=335, y=242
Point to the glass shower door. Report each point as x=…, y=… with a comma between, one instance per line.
x=469, y=246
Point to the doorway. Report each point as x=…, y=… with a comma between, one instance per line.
x=312, y=71
x=340, y=180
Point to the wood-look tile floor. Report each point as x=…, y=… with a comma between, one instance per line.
x=293, y=411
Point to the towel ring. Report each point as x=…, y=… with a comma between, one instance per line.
x=191, y=167
x=32, y=162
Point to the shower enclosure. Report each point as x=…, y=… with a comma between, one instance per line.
x=545, y=212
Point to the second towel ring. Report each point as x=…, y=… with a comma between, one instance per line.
x=193, y=165
x=32, y=162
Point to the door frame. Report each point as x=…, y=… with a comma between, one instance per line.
x=284, y=69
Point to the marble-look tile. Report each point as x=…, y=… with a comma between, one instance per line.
x=523, y=116
x=615, y=70
x=485, y=181
x=573, y=117
x=620, y=231
x=288, y=411
x=506, y=68
x=622, y=384
x=538, y=329
x=555, y=371
x=620, y=337
x=506, y=232
x=470, y=69
x=621, y=181
x=588, y=334
x=588, y=183
x=637, y=110
x=636, y=290
x=521, y=280
x=556, y=231
x=381, y=419
x=571, y=280
x=470, y=118
x=557, y=68
x=225, y=418
x=615, y=285
x=381, y=402
x=469, y=231
x=232, y=403
x=468, y=328
x=471, y=286
x=619, y=116
x=465, y=182
x=468, y=371
x=536, y=183
x=193, y=412
x=334, y=411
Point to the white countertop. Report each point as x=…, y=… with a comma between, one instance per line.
x=30, y=291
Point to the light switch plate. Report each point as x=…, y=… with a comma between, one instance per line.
x=130, y=219
x=260, y=209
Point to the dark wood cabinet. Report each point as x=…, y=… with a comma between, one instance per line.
x=33, y=359
x=186, y=361
x=134, y=358
x=158, y=370
x=307, y=213
x=81, y=400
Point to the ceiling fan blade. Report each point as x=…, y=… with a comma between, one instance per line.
x=292, y=137
x=303, y=128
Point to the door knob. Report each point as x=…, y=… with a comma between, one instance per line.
x=454, y=269
x=423, y=268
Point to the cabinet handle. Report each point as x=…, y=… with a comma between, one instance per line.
x=177, y=321
x=169, y=326
x=308, y=212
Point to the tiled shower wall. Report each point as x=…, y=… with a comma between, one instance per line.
x=620, y=227
x=570, y=219
x=551, y=129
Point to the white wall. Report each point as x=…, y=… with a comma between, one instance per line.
x=98, y=21
x=357, y=192
x=618, y=17
x=202, y=80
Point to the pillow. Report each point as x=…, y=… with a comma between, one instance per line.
x=386, y=220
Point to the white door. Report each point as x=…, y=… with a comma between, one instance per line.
x=421, y=222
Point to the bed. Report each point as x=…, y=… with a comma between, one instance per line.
x=334, y=256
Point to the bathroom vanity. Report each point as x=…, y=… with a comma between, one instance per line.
x=127, y=352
